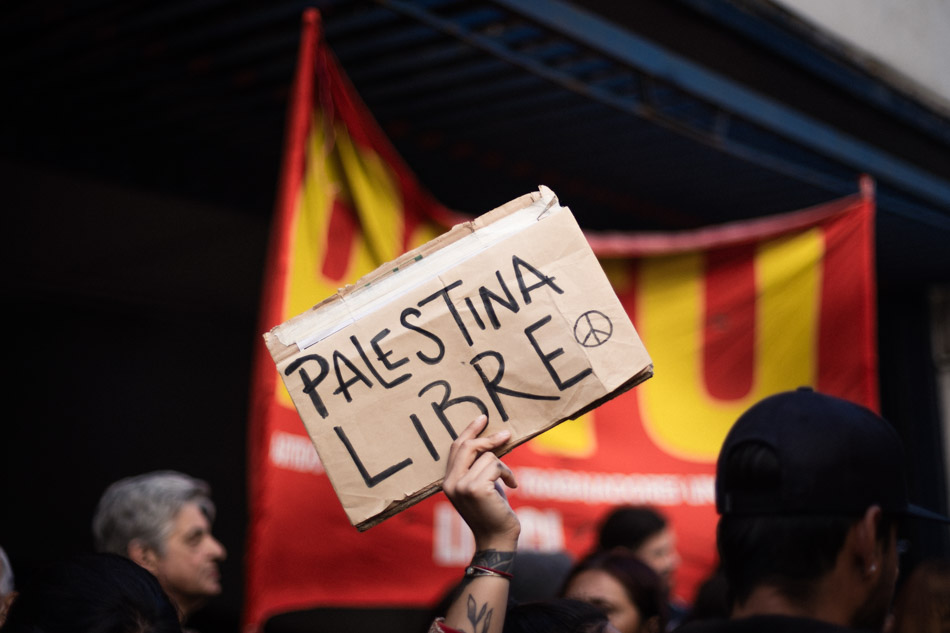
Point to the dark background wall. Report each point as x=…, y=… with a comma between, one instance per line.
x=144, y=365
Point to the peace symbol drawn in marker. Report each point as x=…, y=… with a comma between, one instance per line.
x=593, y=329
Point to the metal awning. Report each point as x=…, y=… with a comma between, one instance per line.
x=485, y=100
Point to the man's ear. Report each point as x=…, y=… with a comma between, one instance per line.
x=144, y=555
x=868, y=552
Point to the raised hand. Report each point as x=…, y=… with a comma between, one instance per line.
x=471, y=483
x=473, y=479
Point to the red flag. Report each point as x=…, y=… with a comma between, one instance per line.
x=346, y=204
x=729, y=314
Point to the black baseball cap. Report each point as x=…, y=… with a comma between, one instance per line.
x=835, y=458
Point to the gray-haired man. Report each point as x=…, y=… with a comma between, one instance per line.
x=162, y=521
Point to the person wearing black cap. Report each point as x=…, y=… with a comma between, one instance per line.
x=809, y=488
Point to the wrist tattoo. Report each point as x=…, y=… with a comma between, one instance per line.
x=494, y=559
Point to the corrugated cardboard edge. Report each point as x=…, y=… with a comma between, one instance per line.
x=398, y=506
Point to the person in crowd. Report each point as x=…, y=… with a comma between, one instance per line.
x=162, y=521
x=809, y=488
x=711, y=601
x=540, y=575
x=646, y=533
x=624, y=587
x=556, y=615
x=7, y=586
x=93, y=593
x=923, y=602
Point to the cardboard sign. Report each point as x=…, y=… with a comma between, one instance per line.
x=509, y=315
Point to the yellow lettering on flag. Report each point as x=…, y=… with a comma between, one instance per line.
x=339, y=171
x=676, y=408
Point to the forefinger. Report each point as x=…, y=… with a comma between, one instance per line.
x=467, y=447
x=474, y=427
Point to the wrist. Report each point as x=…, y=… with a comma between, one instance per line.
x=507, y=542
x=492, y=562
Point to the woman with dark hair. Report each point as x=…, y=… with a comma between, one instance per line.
x=557, y=615
x=626, y=589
